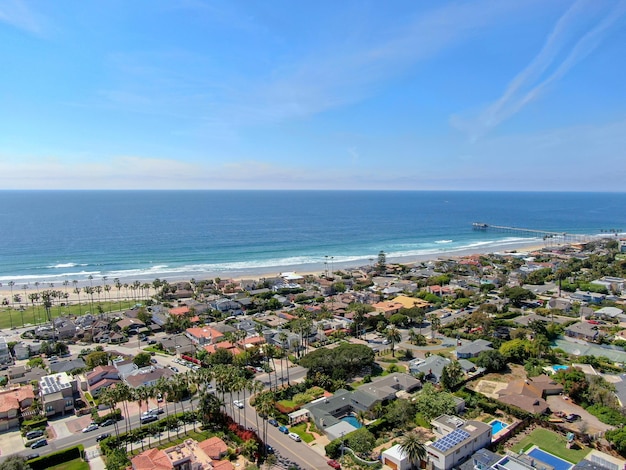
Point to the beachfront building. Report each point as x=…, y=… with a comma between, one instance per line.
x=57, y=393
x=454, y=448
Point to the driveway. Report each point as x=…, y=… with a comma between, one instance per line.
x=588, y=423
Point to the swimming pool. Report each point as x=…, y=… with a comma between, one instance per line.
x=552, y=460
x=352, y=420
x=559, y=367
x=497, y=426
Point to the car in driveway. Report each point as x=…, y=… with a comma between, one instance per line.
x=273, y=422
x=294, y=436
x=283, y=429
x=39, y=443
x=102, y=436
x=91, y=427
x=238, y=403
x=572, y=417
x=34, y=434
x=334, y=464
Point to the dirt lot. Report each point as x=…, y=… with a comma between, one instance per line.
x=588, y=423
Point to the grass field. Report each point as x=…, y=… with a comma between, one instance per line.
x=551, y=442
x=76, y=464
x=28, y=315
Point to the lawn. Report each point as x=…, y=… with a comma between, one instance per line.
x=551, y=442
x=76, y=464
x=300, y=430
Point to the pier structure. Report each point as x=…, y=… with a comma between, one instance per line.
x=548, y=236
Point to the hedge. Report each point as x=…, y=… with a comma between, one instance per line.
x=116, y=415
x=57, y=458
x=32, y=424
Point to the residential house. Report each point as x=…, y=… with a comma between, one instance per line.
x=5, y=353
x=12, y=402
x=445, y=424
x=473, y=349
x=147, y=376
x=396, y=458
x=67, y=366
x=411, y=302
x=102, y=377
x=530, y=394
x=431, y=367
x=204, y=335
x=454, y=448
x=585, y=331
x=188, y=455
x=34, y=374
x=57, y=393
x=387, y=307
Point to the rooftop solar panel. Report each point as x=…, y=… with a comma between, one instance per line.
x=454, y=438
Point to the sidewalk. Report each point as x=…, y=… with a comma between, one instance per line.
x=94, y=458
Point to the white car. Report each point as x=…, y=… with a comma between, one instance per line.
x=91, y=427
x=294, y=436
x=238, y=403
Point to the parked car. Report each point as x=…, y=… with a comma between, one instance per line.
x=102, y=436
x=174, y=368
x=334, y=464
x=108, y=422
x=294, y=436
x=39, y=443
x=152, y=341
x=148, y=419
x=238, y=403
x=572, y=417
x=32, y=456
x=269, y=449
x=283, y=429
x=273, y=422
x=91, y=427
x=34, y=434
x=156, y=411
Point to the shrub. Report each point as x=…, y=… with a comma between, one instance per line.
x=57, y=458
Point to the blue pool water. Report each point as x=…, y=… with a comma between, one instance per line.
x=559, y=367
x=353, y=421
x=497, y=426
x=557, y=463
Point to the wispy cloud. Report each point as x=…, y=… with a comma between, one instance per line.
x=531, y=82
x=18, y=14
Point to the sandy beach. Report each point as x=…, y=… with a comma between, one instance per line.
x=314, y=269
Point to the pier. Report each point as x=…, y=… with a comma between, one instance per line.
x=530, y=232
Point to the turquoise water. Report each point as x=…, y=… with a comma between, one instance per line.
x=557, y=463
x=353, y=421
x=559, y=367
x=497, y=426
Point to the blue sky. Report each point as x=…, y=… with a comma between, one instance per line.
x=194, y=94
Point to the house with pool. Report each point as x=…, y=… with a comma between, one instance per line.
x=336, y=415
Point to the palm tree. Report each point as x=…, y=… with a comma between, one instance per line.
x=392, y=334
x=77, y=292
x=412, y=447
x=435, y=323
x=118, y=286
x=33, y=297
x=11, y=284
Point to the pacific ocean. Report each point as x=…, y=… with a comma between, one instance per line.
x=52, y=236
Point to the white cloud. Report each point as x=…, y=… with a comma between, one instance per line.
x=19, y=15
x=532, y=81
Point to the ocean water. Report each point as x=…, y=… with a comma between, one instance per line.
x=52, y=236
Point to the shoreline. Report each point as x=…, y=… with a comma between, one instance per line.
x=318, y=269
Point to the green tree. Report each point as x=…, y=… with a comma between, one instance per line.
x=361, y=441
x=97, y=358
x=451, y=375
x=431, y=403
x=492, y=360
x=411, y=445
x=381, y=263
x=14, y=462
x=142, y=359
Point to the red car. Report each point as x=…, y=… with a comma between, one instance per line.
x=334, y=464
